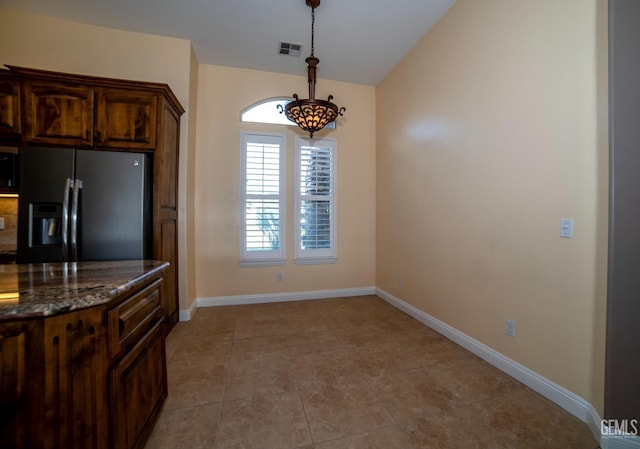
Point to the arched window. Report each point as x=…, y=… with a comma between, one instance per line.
x=266, y=111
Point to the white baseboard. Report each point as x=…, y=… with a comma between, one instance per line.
x=187, y=314
x=632, y=442
x=283, y=297
x=572, y=403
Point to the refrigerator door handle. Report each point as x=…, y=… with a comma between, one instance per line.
x=68, y=184
x=77, y=185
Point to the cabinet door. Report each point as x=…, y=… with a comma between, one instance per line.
x=76, y=387
x=19, y=422
x=126, y=119
x=165, y=228
x=58, y=114
x=138, y=389
x=169, y=253
x=9, y=107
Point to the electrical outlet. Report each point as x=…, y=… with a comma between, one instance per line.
x=1, y=222
x=511, y=328
x=400, y=282
x=280, y=277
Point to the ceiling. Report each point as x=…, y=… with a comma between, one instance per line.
x=356, y=41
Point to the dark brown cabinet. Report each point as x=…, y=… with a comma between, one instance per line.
x=75, y=374
x=138, y=384
x=92, y=379
x=76, y=111
x=126, y=119
x=16, y=414
x=58, y=114
x=138, y=389
x=9, y=107
x=13, y=379
x=166, y=208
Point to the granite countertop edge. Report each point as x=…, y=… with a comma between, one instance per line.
x=56, y=300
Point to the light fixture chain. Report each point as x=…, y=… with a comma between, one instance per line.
x=313, y=24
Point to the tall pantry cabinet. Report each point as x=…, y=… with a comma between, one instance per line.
x=46, y=108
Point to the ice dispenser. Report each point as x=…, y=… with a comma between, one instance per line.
x=46, y=224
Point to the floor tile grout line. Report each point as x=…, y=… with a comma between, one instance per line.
x=359, y=434
x=306, y=418
x=224, y=391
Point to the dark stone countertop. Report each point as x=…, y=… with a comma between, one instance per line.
x=46, y=289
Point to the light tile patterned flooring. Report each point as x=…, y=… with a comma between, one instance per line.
x=349, y=373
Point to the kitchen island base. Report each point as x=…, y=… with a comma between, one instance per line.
x=84, y=365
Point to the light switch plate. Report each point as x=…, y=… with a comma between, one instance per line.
x=1, y=222
x=566, y=228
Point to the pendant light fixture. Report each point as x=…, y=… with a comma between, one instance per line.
x=311, y=114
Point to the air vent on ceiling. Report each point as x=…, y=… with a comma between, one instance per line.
x=291, y=49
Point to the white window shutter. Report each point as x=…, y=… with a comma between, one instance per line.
x=315, y=201
x=262, y=220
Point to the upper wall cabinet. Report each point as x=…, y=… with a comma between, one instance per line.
x=84, y=116
x=58, y=114
x=126, y=119
x=9, y=106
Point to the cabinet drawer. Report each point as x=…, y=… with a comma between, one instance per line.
x=132, y=318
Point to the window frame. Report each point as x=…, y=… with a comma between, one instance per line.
x=265, y=257
x=323, y=255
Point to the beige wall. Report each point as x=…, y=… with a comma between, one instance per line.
x=41, y=42
x=487, y=135
x=222, y=93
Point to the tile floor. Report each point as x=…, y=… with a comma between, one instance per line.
x=349, y=373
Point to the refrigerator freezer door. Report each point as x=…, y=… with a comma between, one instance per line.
x=112, y=205
x=43, y=172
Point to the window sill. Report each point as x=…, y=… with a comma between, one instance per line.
x=262, y=263
x=316, y=261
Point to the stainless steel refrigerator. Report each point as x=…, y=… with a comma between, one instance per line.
x=77, y=205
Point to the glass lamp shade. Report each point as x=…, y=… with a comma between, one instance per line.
x=312, y=115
